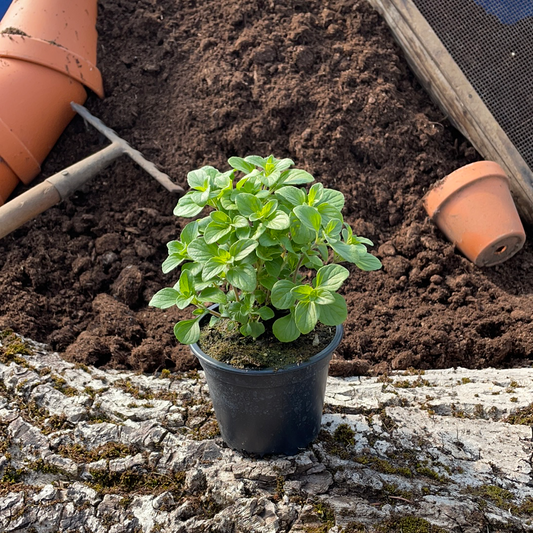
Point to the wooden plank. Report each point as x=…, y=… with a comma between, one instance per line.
x=448, y=86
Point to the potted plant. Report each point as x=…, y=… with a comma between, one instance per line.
x=261, y=270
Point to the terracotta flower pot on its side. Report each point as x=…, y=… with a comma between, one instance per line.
x=473, y=207
x=47, y=56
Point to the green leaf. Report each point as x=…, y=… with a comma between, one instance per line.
x=243, y=277
x=269, y=208
x=265, y=313
x=302, y=292
x=213, y=295
x=240, y=222
x=266, y=280
x=186, y=284
x=348, y=252
x=309, y=216
x=189, y=232
x=187, y=331
x=335, y=313
x=273, y=267
x=323, y=296
x=282, y=297
x=292, y=195
x=187, y=207
x=183, y=301
x=306, y=316
x=360, y=240
x=333, y=198
x=368, y=262
x=256, y=329
x=171, y=262
x=333, y=227
x=256, y=160
x=329, y=213
x=285, y=329
x=331, y=277
x=198, y=179
x=243, y=248
x=313, y=261
x=315, y=193
x=213, y=268
x=201, y=251
x=248, y=204
x=223, y=181
x=284, y=164
x=272, y=177
x=240, y=164
x=296, y=177
x=279, y=221
x=216, y=231
x=300, y=234
x=164, y=298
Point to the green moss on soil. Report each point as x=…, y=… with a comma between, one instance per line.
x=408, y=524
x=109, y=450
x=130, y=481
x=522, y=416
x=229, y=346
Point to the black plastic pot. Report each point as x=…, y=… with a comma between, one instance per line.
x=269, y=411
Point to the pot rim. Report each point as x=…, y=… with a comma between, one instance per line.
x=454, y=182
x=201, y=355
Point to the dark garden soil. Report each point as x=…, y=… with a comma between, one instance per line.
x=320, y=81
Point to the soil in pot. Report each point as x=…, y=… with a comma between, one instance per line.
x=226, y=344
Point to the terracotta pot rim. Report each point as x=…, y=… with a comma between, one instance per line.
x=441, y=192
x=53, y=56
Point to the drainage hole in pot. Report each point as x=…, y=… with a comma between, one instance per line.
x=500, y=250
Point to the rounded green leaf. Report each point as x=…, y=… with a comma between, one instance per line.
x=265, y=313
x=215, y=231
x=278, y=221
x=335, y=313
x=243, y=248
x=190, y=232
x=171, y=262
x=201, y=251
x=285, y=329
x=331, y=277
x=306, y=316
x=292, y=195
x=187, y=207
x=213, y=268
x=248, y=204
x=302, y=292
x=187, y=331
x=239, y=163
x=297, y=177
x=308, y=216
x=368, y=262
x=243, y=277
x=213, y=295
x=333, y=198
x=164, y=298
x=198, y=179
x=281, y=296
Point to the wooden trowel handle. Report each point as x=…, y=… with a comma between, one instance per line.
x=27, y=206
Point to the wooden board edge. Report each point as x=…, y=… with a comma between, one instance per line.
x=448, y=86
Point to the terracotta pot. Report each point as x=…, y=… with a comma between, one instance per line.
x=46, y=57
x=473, y=207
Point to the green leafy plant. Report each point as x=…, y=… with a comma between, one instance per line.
x=255, y=253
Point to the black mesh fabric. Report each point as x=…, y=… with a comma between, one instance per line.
x=492, y=43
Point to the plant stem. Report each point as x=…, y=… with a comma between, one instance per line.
x=295, y=277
